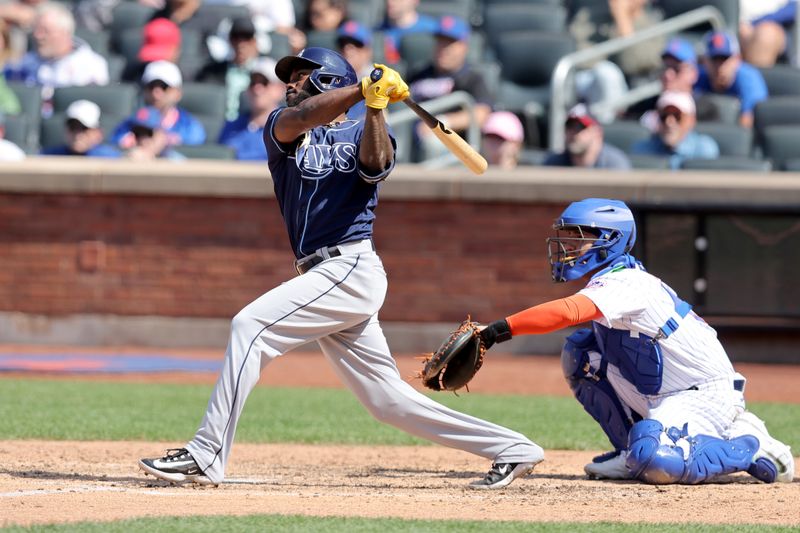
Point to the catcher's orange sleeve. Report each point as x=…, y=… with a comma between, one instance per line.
x=554, y=315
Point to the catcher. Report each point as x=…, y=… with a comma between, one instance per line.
x=650, y=371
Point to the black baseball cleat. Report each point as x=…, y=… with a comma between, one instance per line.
x=502, y=474
x=177, y=466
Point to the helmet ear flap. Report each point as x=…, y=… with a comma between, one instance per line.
x=602, y=253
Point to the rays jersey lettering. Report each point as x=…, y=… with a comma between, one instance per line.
x=317, y=161
x=318, y=186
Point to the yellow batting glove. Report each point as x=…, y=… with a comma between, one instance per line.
x=373, y=94
x=386, y=82
x=399, y=89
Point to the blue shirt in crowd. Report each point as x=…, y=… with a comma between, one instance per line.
x=748, y=86
x=248, y=141
x=693, y=146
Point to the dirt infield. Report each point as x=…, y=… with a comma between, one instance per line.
x=53, y=482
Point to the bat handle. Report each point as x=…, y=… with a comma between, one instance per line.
x=376, y=74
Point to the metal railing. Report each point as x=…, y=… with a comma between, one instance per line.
x=447, y=102
x=565, y=66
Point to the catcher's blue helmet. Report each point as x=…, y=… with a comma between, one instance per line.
x=607, y=225
x=330, y=70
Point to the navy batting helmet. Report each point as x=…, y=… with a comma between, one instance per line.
x=330, y=70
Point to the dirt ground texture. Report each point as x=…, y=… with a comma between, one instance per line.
x=54, y=482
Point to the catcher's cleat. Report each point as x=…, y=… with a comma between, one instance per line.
x=177, y=466
x=502, y=474
x=609, y=466
x=773, y=461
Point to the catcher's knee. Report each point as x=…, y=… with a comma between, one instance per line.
x=581, y=362
x=651, y=461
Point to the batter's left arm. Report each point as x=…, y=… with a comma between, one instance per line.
x=376, y=152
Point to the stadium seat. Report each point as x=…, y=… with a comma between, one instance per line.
x=782, y=80
x=728, y=8
x=118, y=99
x=780, y=143
x=368, y=12
x=649, y=162
x=20, y=132
x=528, y=59
x=792, y=164
x=416, y=49
x=324, y=39
x=728, y=163
x=217, y=12
x=99, y=41
x=499, y=19
x=116, y=66
x=279, y=45
x=732, y=140
x=212, y=125
x=718, y=108
x=207, y=151
x=30, y=99
x=624, y=134
x=204, y=99
x=439, y=8
x=128, y=16
x=775, y=111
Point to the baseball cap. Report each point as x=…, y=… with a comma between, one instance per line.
x=354, y=31
x=682, y=101
x=581, y=113
x=161, y=38
x=266, y=67
x=85, y=112
x=680, y=49
x=505, y=125
x=147, y=117
x=453, y=27
x=721, y=44
x=242, y=26
x=165, y=71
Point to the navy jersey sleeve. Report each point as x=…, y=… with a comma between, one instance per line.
x=275, y=149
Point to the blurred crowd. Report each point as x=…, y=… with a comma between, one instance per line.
x=172, y=79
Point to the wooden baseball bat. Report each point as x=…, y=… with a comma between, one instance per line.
x=451, y=140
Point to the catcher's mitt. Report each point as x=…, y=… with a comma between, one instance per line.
x=457, y=360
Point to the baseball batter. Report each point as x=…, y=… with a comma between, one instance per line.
x=651, y=372
x=326, y=171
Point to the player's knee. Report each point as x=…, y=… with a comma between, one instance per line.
x=651, y=461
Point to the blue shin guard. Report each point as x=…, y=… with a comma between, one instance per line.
x=652, y=462
x=586, y=378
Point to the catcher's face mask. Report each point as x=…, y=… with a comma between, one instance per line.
x=575, y=251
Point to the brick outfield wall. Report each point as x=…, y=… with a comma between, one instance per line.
x=208, y=257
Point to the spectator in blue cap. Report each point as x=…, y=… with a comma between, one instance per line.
x=355, y=43
x=150, y=139
x=724, y=72
x=450, y=72
x=679, y=66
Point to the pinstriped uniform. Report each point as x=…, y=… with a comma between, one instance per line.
x=697, y=380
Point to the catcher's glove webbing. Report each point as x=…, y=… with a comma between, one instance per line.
x=457, y=360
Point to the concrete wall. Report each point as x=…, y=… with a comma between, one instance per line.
x=114, y=252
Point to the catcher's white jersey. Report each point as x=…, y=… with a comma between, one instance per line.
x=694, y=361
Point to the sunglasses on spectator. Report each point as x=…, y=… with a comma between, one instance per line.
x=157, y=83
x=666, y=113
x=241, y=36
x=75, y=126
x=575, y=125
x=258, y=80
